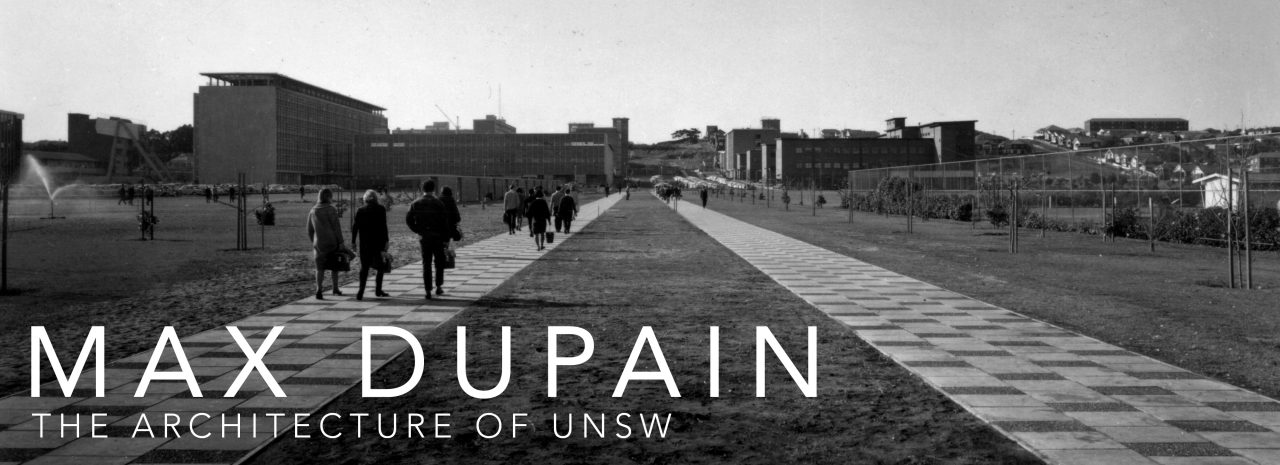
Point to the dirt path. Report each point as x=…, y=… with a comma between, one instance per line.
x=639, y=265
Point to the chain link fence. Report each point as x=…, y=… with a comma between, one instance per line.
x=1210, y=191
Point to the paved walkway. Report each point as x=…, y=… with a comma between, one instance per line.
x=1069, y=398
x=315, y=359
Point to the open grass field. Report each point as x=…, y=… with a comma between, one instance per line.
x=1172, y=305
x=640, y=265
x=92, y=269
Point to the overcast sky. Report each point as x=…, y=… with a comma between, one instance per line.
x=1012, y=65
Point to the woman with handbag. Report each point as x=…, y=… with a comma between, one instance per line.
x=325, y=231
x=539, y=213
x=371, y=220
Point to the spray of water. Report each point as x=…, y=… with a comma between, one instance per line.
x=46, y=179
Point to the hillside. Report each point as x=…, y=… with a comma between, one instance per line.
x=670, y=158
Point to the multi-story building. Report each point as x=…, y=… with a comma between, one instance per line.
x=405, y=159
x=492, y=125
x=84, y=138
x=1093, y=125
x=10, y=146
x=438, y=127
x=953, y=140
x=618, y=140
x=738, y=143
x=828, y=161
x=277, y=129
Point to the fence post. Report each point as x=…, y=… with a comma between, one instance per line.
x=911, y=194
x=1248, y=239
x=1231, y=238
x=1151, y=224
x=1102, y=208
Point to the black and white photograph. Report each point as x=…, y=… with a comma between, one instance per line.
x=670, y=232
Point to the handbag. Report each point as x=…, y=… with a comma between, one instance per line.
x=385, y=265
x=450, y=259
x=551, y=237
x=457, y=233
x=337, y=261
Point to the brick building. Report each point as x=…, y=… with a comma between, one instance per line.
x=829, y=160
x=952, y=140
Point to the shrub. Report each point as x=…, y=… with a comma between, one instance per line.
x=997, y=216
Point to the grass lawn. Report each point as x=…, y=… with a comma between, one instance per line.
x=1171, y=305
x=641, y=265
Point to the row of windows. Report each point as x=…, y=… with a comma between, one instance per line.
x=845, y=166
x=897, y=150
x=478, y=161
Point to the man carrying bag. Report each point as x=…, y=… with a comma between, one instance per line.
x=428, y=218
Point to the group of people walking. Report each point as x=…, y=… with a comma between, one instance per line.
x=127, y=193
x=538, y=209
x=435, y=218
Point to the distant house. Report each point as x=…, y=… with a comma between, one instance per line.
x=1081, y=141
x=1193, y=135
x=1219, y=190
x=1015, y=147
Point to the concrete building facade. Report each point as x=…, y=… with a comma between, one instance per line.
x=738, y=142
x=405, y=159
x=277, y=129
x=618, y=139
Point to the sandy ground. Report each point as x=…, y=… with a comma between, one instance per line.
x=641, y=265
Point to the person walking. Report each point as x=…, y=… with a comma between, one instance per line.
x=208, y=194
x=428, y=218
x=555, y=205
x=568, y=210
x=371, y=221
x=520, y=209
x=455, y=217
x=703, y=194
x=122, y=194
x=325, y=231
x=534, y=196
x=130, y=194
x=511, y=205
x=628, y=192
x=302, y=192
x=539, y=214
x=149, y=196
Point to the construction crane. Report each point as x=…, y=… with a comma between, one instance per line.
x=457, y=122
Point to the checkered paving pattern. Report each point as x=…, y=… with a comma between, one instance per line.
x=316, y=358
x=1069, y=398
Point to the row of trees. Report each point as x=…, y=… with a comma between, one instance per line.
x=693, y=135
